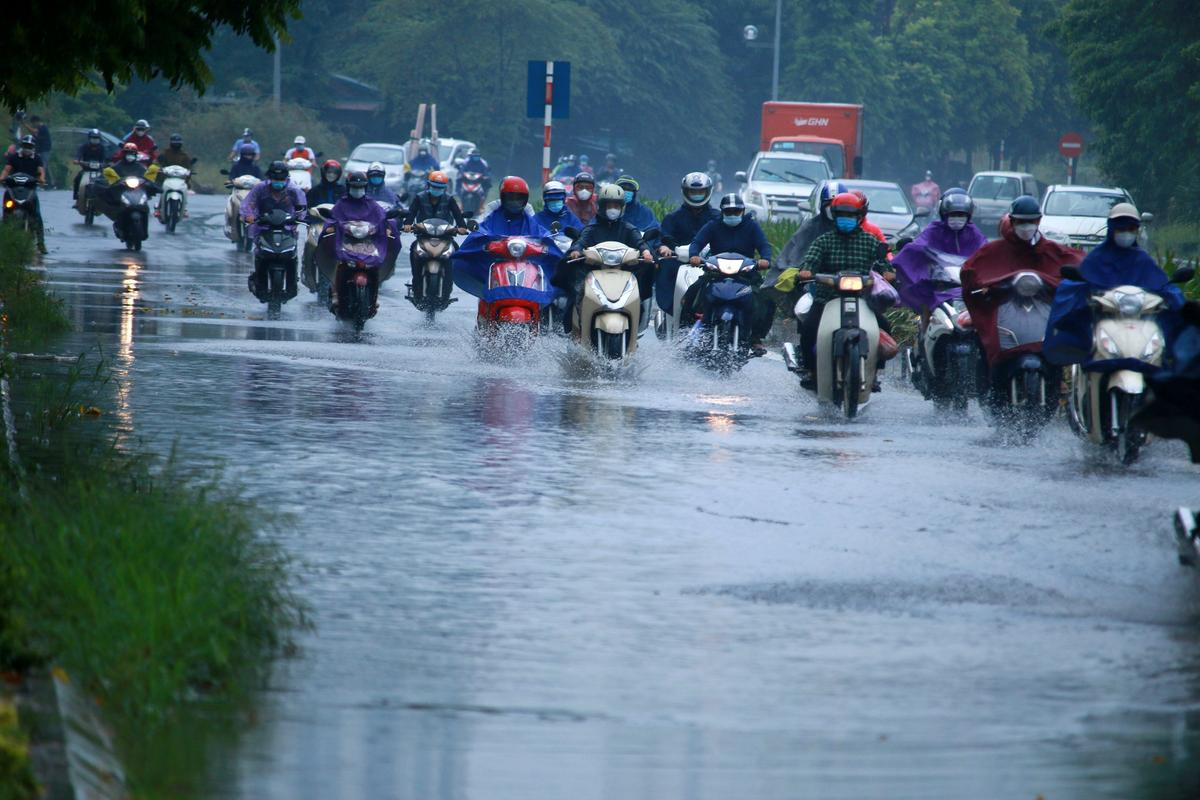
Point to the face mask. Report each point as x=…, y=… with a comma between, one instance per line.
x=554, y=206
x=613, y=214
x=956, y=223
x=358, y=192
x=376, y=180
x=331, y=177
x=130, y=157
x=1025, y=231
x=1125, y=238
x=277, y=185
x=696, y=198
x=584, y=194
x=437, y=191
x=732, y=220
x=846, y=224
x=176, y=145
x=514, y=206
x=628, y=197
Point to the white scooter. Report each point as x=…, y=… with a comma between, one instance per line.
x=91, y=181
x=1126, y=328
x=946, y=368
x=236, y=229
x=172, y=202
x=300, y=173
x=607, y=316
x=666, y=326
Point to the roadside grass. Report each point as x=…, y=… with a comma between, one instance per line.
x=32, y=315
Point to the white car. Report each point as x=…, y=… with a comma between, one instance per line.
x=1077, y=216
x=778, y=185
x=390, y=155
x=451, y=153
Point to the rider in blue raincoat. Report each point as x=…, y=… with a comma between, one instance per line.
x=554, y=199
x=1119, y=261
x=636, y=214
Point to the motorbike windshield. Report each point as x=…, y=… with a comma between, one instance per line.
x=1021, y=321
x=486, y=275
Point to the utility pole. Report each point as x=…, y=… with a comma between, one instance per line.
x=775, y=70
x=276, y=80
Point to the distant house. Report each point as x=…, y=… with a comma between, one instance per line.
x=350, y=101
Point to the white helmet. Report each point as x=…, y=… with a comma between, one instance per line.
x=299, y=141
x=554, y=187
x=697, y=189
x=375, y=166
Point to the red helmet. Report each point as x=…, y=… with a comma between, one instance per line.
x=848, y=203
x=514, y=185
x=129, y=147
x=334, y=163
x=861, y=195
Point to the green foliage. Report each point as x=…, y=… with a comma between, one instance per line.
x=16, y=776
x=57, y=48
x=33, y=314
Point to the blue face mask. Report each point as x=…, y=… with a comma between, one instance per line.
x=628, y=197
x=376, y=180
x=696, y=198
x=732, y=220
x=277, y=185
x=437, y=191
x=554, y=206
x=846, y=224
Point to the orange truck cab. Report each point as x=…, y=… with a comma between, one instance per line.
x=830, y=130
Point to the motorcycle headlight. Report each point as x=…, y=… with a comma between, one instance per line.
x=729, y=266
x=516, y=247
x=360, y=229
x=1130, y=304
x=1027, y=284
x=850, y=283
x=131, y=182
x=1153, y=348
x=1106, y=345
x=612, y=258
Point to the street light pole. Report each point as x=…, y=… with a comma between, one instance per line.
x=775, y=70
x=276, y=76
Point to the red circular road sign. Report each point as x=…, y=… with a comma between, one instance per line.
x=1071, y=145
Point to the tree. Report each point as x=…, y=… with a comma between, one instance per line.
x=54, y=49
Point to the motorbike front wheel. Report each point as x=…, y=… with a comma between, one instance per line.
x=610, y=345
x=171, y=215
x=89, y=214
x=1130, y=438
x=275, y=291
x=851, y=381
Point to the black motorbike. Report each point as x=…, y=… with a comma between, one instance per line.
x=471, y=192
x=274, y=278
x=132, y=223
x=720, y=340
x=433, y=276
x=20, y=201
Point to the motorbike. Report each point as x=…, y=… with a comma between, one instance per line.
x=1108, y=390
x=945, y=365
x=847, y=342
x=91, y=180
x=236, y=229
x=174, y=195
x=20, y=200
x=356, y=257
x=513, y=306
x=1023, y=388
x=1187, y=536
x=300, y=173
x=666, y=326
x=471, y=193
x=721, y=339
x=608, y=314
x=132, y=222
x=432, y=266
x=414, y=184
x=313, y=279
x=274, y=278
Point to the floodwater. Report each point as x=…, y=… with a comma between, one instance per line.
x=531, y=584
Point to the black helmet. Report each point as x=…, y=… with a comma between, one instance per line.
x=356, y=178
x=732, y=201
x=277, y=171
x=93, y=133
x=1025, y=208
x=474, y=151
x=176, y=138
x=956, y=201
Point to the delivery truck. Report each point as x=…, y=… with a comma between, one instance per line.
x=830, y=130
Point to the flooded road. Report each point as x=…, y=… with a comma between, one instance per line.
x=528, y=584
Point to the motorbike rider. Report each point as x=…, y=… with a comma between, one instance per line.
x=245, y=165
x=554, y=208
x=819, y=224
x=423, y=161
x=355, y=204
x=435, y=202
x=140, y=136
x=952, y=232
x=681, y=227
x=92, y=149
x=130, y=164
x=926, y=193
x=328, y=189
x=585, y=165
x=176, y=156
x=636, y=214
x=240, y=145
x=566, y=166
x=510, y=217
x=848, y=248
x=25, y=159
x=300, y=149
x=1021, y=246
x=715, y=177
x=376, y=188
x=609, y=226
x=276, y=192
x=582, y=202
x=610, y=171
x=1119, y=261
x=734, y=232
x=476, y=163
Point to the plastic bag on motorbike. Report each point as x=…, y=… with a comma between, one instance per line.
x=883, y=294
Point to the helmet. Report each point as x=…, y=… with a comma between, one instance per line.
x=610, y=157
x=627, y=183
x=375, y=168
x=697, y=189
x=298, y=140
x=93, y=133
x=712, y=165
x=247, y=132
x=128, y=147
x=826, y=191
x=332, y=163
x=732, y=201
x=247, y=150
x=28, y=141
x=861, y=195
x=278, y=170
x=928, y=175
x=474, y=151
x=423, y=147
x=583, y=159
x=847, y=203
x=1025, y=208
x=1124, y=211
x=176, y=138
x=356, y=178
x=141, y=123
x=611, y=194
x=584, y=177
x=554, y=190
x=437, y=178
x=956, y=201
x=514, y=194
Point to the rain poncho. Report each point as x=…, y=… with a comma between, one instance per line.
x=912, y=264
x=640, y=216
x=998, y=261
x=348, y=209
x=261, y=200
x=1069, y=330
x=565, y=219
x=472, y=261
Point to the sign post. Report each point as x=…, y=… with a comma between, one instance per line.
x=548, y=96
x=1071, y=147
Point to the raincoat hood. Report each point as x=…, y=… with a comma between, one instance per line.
x=913, y=264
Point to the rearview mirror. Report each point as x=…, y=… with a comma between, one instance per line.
x=652, y=233
x=194, y=160
x=1184, y=274
x=572, y=231
x=740, y=176
x=922, y=211
x=554, y=227
x=1071, y=273
x=472, y=225
x=224, y=171
x=1147, y=218
x=394, y=212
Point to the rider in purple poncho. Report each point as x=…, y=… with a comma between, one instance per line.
x=952, y=233
x=277, y=191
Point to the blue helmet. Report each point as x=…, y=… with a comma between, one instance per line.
x=826, y=191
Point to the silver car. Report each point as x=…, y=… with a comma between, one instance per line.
x=891, y=209
x=390, y=155
x=778, y=185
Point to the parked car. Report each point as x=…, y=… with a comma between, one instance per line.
x=993, y=193
x=890, y=209
x=390, y=155
x=778, y=185
x=67, y=141
x=1077, y=216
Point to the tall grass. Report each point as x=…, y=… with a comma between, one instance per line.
x=32, y=315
